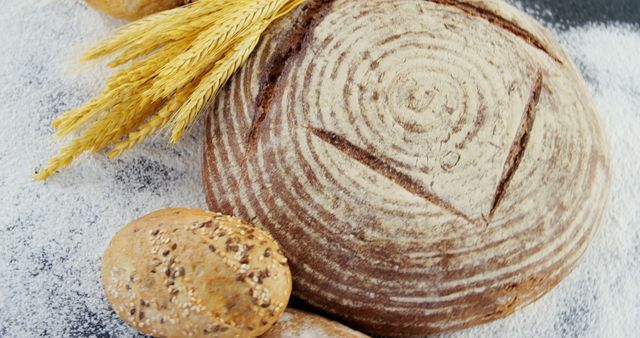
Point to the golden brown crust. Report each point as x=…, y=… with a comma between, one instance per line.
x=299, y=324
x=193, y=273
x=442, y=160
x=134, y=9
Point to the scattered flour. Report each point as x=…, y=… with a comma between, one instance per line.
x=305, y=330
x=52, y=235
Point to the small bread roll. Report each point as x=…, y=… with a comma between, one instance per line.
x=298, y=324
x=134, y=9
x=193, y=273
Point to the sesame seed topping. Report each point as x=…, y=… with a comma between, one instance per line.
x=178, y=273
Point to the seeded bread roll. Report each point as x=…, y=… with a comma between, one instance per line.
x=442, y=161
x=134, y=9
x=192, y=273
x=298, y=324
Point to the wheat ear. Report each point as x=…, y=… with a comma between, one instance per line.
x=177, y=61
x=153, y=125
x=211, y=84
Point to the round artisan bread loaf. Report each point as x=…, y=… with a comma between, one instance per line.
x=134, y=9
x=299, y=324
x=425, y=165
x=193, y=273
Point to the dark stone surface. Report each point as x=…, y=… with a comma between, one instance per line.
x=569, y=13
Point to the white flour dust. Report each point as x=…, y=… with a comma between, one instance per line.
x=52, y=235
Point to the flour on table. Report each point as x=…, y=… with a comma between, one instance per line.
x=52, y=235
x=306, y=330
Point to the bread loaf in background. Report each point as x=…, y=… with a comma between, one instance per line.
x=134, y=9
x=299, y=324
x=425, y=165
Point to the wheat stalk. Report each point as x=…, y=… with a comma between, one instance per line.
x=153, y=125
x=211, y=84
x=122, y=86
x=147, y=28
x=177, y=61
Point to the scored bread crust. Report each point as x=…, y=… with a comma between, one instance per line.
x=426, y=166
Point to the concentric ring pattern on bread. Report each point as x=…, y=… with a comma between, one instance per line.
x=425, y=165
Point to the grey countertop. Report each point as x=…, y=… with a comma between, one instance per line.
x=52, y=235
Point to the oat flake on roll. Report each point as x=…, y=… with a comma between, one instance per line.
x=442, y=161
